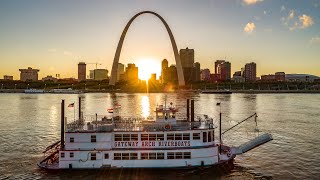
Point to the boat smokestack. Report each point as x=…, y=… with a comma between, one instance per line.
x=62, y=125
x=188, y=109
x=192, y=110
x=79, y=109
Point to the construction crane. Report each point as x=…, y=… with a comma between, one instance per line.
x=95, y=64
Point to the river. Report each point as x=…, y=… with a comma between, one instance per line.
x=30, y=122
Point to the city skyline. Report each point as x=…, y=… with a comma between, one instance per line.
x=55, y=36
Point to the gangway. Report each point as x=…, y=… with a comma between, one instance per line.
x=262, y=139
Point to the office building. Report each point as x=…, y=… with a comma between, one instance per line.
x=187, y=57
x=196, y=72
x=8, y=78
x=120, y=71
x=100, y=74
x=164, y=71
x=224, y=70
x=131, y=73
x=50, y=79
x=280, y=76
x=250, y=72
x=82, y=71
x=205, y=75
x=29, y=74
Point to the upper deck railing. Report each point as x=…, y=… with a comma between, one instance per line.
x=105, y=124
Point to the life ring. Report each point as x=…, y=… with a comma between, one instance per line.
x=167, y=126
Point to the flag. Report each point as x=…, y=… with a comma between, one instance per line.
x=71, y=105
x=110, y=110
x=218, y=104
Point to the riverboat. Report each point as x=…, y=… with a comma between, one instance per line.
x=128, y=142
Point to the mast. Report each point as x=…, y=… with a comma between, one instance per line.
x=220, y=131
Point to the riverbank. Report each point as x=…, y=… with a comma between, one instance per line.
x=179, y=91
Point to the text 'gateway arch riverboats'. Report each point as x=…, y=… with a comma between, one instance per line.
x=127, y=142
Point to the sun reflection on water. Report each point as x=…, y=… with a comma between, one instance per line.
x=145, y=106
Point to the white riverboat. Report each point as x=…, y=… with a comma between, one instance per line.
x=33, y=91
x=127, y=142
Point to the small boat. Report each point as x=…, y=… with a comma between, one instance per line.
x=129, y=142
x=65, y=91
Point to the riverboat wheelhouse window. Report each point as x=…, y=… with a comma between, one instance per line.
x=160, y=137
x=186, y=155
x=178, y=136
x=152, y=156
x=93, y=156
x=209, y=136
x=93, y=138
x=144, y=156
x=133, y=156
x=144, y=137
x=152, y=137
x=170, y=155
x=134, y=137
x=71, y=139
x=126, y=137
x=186, y=136
x=196, y=136
x=179, y=155
x=71, y=154
x=125, y=156
x=117, y=156
x=170, y=136
x=160, y=155
x=62, y=155
x=204, y=136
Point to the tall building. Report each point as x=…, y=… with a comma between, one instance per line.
x=187, y=57
x=29, y=74
x=196, y=72
x=187, y=62
x=205, y=75
x=164, y=71
x=82, y=71
x=172, y=74
x=120, y=71
x=224, y=69
x=216, y=65
x=100, y=74
x=50, y=78
x=131, y=74
x=7, y=77
x=250, y=72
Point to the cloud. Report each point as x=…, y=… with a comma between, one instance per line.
x=315, y=40
x=265, y=12
x=249, y=28
x=291, y=14
x=282, y=8
x=306, y=21
x=251, y=2
x=67, y=53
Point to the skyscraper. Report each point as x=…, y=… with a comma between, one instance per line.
x=187, y=62
x=250, y=72
x=164, y=71
x=196, y=72
x=224, y=70
x=216, y=65
x=131, y=73
x=82, y=71
x=120, y=71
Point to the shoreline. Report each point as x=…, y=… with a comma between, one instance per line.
x=178, y=91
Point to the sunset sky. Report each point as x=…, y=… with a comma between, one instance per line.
x=53, y=36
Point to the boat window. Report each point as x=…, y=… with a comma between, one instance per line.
x=62, y=155
x=160, y=155
x=133, y=156
x=209, y=136
x=71, y=155
x=186, y=136
x=152, y=155
x=178, y=155
x=212, y=135
x=117, y=156
x=134, y=137
x=204, y=136
x=196, y=136
x=125, y=156
x=118, y=137
x=144, y=137
x=160, y=137
x=152, y=137
x=71, y=139
x=93, y=138
x=144, y=155
x=170, y=155
x=178, y=136
x=93, y=156
x=187, y=155
x=126, y=137
x=170, y=136
x=160, y=115
x=106, y=156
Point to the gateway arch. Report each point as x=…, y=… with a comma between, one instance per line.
x=173, y=42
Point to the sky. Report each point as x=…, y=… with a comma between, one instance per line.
x=53, y=36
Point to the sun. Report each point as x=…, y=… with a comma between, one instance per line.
x=148, y=66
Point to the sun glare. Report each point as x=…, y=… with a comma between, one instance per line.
x=148, y=67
